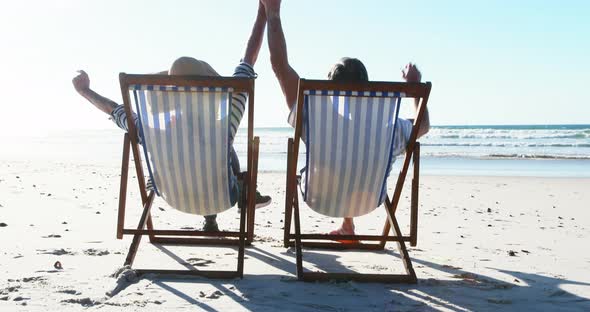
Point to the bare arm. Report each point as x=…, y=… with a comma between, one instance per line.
x=412, y=74
x=82, y=85
x=425, y=125
x=245, y=69
x=287, y=76
x=255, y=40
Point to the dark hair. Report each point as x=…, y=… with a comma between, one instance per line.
x=348, y=69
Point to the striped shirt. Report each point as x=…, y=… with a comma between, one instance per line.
x=238, y=105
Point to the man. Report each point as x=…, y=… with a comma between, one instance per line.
x=191, y=66
x=347, y=69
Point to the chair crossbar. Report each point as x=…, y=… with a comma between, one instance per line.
x=353, y=237
x=136, y=87
x=213, y=274
x=354, y=93
x=181, y=233
x=366, y=278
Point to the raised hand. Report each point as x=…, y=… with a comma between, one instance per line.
x=271, y=5
x=81, y=82
x=411, y=73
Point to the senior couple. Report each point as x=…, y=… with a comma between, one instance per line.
x=346, y=69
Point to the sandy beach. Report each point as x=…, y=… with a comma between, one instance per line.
x=503, y=125
x=485, y=244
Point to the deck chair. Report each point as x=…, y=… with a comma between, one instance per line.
x=184, y=121
x=348, y=129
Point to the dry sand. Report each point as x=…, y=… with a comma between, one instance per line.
x=485, y=243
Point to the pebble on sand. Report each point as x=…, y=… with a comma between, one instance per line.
x=512, y=253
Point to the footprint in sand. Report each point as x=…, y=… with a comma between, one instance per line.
x=96, y=252
x=69, y=292
x=85, y=302
x=56, y=252
x=4, y=293
x=33, y=279
x=52, y=236
x=214, y=295
x=198, y=262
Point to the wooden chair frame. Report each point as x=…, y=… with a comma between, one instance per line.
x=416, y=90
x=187, y=237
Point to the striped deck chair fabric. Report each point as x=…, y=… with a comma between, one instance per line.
x=186, y=145
x=350, y=143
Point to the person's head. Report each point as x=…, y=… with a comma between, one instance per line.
x=190, y=66
x=348, y=69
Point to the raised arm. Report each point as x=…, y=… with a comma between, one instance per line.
x=117, y=112
x=246, y=70
x=412, y=74
x=287, y=76
x=82, y=84
x=255, y=40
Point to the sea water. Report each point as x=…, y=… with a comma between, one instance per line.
x=507, y=150
x=518, y=150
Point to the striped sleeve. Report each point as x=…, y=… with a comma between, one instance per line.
x=119, y=117
x=402, y=136
x=238, y=104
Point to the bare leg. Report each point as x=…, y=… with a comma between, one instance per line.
x=347, y=227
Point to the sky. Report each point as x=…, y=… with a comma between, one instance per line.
x=490, y=62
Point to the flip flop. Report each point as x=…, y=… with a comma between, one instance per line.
x=344, y=241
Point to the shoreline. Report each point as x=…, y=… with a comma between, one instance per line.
x=435, y=166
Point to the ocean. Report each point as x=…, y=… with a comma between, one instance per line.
x=507, y=150
x=517, y=150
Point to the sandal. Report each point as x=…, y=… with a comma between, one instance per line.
x=344, y=241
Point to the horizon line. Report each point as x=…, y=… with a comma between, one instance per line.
x=457, y=125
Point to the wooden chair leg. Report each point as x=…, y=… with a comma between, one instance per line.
x=123, y=186
x=404, y=255
x=243, y=234
x=287, y=225
x=251, y=200
x=141, y=181
x=150, y=226
x=299, y=256
x=387, y=225
x=288, y=194
x=142, y=223
x=414, y=196
x=384, y=233
x=245, y=197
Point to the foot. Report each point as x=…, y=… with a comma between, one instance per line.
x=345, y=231
x=210, y=226
x=262, y=200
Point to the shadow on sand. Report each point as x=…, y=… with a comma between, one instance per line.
x=462, y=290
